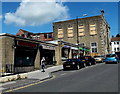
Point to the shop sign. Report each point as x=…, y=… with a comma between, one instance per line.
x=26, y=44
x=48, y=47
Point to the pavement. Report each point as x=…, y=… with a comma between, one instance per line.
x=32, y=77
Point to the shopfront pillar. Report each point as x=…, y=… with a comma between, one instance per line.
x=70, y=54
x=58, y=54
x=37, y=60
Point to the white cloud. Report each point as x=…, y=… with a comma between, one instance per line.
x=36, y=13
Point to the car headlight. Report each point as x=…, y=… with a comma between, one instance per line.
x=73, y=63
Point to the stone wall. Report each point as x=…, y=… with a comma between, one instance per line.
x=7, y=52
x=100, y=38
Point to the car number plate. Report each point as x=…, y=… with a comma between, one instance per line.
x=67, y=66
x=83, y=60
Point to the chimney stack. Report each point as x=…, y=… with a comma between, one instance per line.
x=102, y=12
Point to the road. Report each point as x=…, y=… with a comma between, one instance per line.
x=96, y=78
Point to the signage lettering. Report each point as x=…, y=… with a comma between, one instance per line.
x=27, y=44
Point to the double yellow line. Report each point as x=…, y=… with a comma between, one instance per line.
x=28, y=85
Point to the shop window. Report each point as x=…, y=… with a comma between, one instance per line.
x=94, y=47
x=70, y=31
x=93, y=29
x=81, y=30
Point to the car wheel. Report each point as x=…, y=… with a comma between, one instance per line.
x=84, y=65
x=78, y=67
x=90, y=64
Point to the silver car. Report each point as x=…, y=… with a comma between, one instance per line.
x=99, y=58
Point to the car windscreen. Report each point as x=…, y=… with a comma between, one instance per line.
x=97, y=56
x=72, y=60
x=82, y=57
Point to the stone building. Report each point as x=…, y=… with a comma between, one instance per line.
x=93, y=32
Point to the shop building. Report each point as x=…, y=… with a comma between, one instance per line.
x=23, y=54
x=20, y=54
x=93, y=32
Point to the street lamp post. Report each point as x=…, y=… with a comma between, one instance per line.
x=77, y=36
x=77, y=29
x=78, y=33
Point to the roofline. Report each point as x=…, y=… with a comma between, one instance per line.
x=14, y=36
x=78, y=19
x=101, y=16
x=43, y=33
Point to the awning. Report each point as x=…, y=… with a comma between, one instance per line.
x=85, y=49
x=74, y=48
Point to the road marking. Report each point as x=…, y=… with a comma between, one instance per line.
x=29, y=85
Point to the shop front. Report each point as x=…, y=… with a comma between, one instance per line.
x=48, y=52
x=24, y=56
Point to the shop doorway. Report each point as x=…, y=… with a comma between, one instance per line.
x=49, y=56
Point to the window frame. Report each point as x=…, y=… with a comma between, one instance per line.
x=81, y=27
x=94, y=47
x=69, y=29
x=95, y=29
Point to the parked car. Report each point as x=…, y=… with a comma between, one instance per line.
x=99, y=58
x=72, y=64
x=88, y=60
x=111, y=58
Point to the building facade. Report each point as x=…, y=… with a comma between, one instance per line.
x=93, y=32
x=19, y=54
x=36, y=36
x=115, y=43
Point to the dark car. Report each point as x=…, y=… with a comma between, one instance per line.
x=112, y=58
x=88, y=60
x=73, y=64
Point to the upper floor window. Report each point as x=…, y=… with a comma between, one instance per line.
x=118, y=43
x=38, y=37
x=118, y=49
x=60, y=33
x=34, y=37
x=70, y=30
x=45, y=36
x=81, y=30
x=94, y=47
x=49, y=35
x=93, y=29
x=22, y=35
